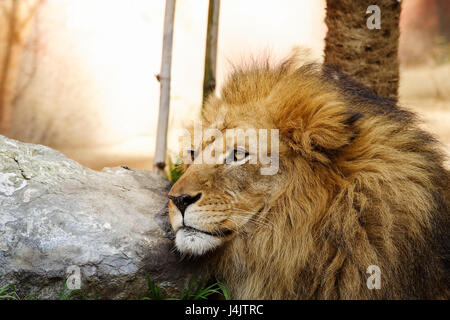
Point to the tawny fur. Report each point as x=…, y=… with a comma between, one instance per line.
x=359, y=184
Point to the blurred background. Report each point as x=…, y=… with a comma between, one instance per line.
x=79, y=75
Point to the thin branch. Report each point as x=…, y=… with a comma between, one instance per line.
x=164, y=79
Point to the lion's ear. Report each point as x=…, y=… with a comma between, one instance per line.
x=315, y=125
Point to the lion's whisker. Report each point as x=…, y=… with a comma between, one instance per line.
x=260, y=214
x=254, y=221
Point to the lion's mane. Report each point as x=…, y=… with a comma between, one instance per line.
x=377, y=193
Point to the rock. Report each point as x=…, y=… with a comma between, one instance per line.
x=58, y=220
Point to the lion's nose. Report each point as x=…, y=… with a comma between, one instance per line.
x=183, y=201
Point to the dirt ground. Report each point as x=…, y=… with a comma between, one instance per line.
x=425, y=90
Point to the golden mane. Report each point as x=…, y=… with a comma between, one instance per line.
x=362, y=185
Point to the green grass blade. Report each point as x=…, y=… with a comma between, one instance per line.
x=225, y=291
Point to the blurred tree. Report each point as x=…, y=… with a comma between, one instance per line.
x=425, y=27
x=15, y=27
x=368, y=55
x=443, y=12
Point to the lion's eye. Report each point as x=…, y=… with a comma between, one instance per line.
x=193, y=154
x=239, y=155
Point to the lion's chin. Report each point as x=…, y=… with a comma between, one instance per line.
x=197, y=243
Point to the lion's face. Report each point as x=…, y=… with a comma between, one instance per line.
x=212, y=203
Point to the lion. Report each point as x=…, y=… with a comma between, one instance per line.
x=359, y=187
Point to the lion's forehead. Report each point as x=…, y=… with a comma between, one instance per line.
x=231, y=136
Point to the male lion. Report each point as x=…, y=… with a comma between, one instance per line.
x=359, y=184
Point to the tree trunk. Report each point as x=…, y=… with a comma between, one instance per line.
x=209, y=79
x=367, y=55
x=164, y=79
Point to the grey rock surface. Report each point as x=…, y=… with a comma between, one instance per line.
x=58, y=218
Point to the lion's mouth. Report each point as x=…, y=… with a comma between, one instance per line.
x=218, y=233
